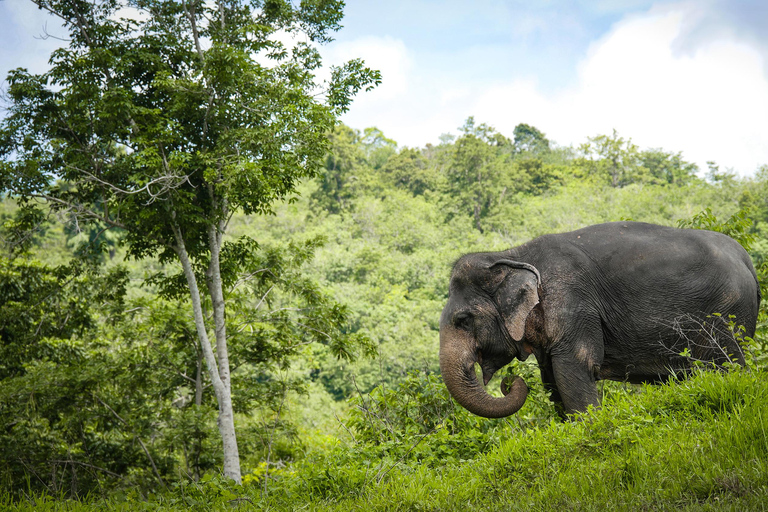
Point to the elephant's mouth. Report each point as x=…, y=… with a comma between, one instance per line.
x=491, y=364
x=527, y=350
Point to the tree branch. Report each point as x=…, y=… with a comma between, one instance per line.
x=167, y=181
x=143, y=446
x=79, y=208
x=85, y=464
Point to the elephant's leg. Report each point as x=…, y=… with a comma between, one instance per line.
x=548, y=379
x=574, y=372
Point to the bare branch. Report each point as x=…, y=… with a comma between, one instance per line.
x=47, y=35
x=264, y=297
x=271, y=436
x=169, y=182
x=190, y=12
x=315, y=330
x=345, y=427
x=80, y=209
x=248, y=277
x=143, y=446
x=151, y=461
x=709, y=339
x=85, y=464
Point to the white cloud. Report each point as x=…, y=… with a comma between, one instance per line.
x=711, y=103
x=387, y=106
x=388, y=55
x=451, y=95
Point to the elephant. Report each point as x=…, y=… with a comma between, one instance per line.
x=618, y=301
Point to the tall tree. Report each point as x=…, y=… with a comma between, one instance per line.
x=666, y=167
x=530, y=139
x=378, y=148
x=163, y=118
x=342, y=164
x=474, y=168
x=613, y=159
x=410, y=169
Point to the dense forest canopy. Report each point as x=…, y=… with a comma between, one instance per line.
x=128, y=179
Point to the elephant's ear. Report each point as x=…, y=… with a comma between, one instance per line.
x=517, y=294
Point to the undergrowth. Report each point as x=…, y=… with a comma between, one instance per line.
x=697, y=444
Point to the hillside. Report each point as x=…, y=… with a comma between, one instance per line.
x=335, y=338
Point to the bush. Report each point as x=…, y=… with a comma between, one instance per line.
x=417, y=420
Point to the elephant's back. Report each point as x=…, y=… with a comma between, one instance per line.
x=635, y=270
x=649, y=252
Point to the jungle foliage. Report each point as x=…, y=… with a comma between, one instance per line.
x=104, y=391
x=161, y=119
x=331, y=248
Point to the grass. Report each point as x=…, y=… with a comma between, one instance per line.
x=699, y=444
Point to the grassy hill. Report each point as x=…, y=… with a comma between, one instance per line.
x=699, y=444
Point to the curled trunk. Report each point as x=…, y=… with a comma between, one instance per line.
x=457, y=365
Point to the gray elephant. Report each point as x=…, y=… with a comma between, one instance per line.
x=618, y=301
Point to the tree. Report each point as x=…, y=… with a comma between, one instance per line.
x=668, y=168
x=474, y=168
x=530, y=139
x=342, y=165
x=164, y=120
x=612, y=159
x=411, y=170
x=532, y=176
x=377, y=147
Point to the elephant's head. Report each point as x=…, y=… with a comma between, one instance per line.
x=484, y=322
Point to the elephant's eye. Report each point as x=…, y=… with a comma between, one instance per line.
x=463, y=321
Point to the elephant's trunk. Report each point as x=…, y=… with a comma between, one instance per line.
x=457, y=365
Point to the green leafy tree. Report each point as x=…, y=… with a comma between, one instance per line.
x=21, y=230
x=531, y=175
x=737, y=226
x=474, y=169
x=611, y=159
x=377, y=147
x=41, y=305
x=411, y=170
x=166, y=122
x=754, y=198
x=343, y=164
x=667, y=168
x=529, y=139
x=111, y=407
x=50, y=376
x=715, y=176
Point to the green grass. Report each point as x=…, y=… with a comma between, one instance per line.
x=700, y=444
x=696, y=445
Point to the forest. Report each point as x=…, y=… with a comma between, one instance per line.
x=214, y=295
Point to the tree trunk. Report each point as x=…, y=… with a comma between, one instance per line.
x=199, y=379
x=213, y=276
x=226, y=421
x=477, y=217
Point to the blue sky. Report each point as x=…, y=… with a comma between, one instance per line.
x=689, y=76
x=489, y=40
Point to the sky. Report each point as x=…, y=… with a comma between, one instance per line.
x=684, y=76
